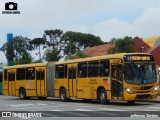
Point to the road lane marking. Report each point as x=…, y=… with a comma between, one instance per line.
x=83, y=110
x=56, y=110
x=110, y=109
x=25, y=105
x=154, y=107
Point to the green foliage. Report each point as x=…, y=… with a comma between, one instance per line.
x=26, y=58
x=52, y=55
x=37, y=43
x=78, y=54
x=16, y=48
x=52, y=38
x=122, y=45
x=75, y=41
x=37, y=61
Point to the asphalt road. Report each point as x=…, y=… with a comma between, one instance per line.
x=54, y=108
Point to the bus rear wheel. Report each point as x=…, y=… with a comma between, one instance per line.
x=22, y=94
x=63, y=95
x=103, y=96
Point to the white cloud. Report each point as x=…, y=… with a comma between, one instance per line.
x=147, y=25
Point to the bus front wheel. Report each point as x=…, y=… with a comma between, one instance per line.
x=63, y=95
x=22, y=94
x=103, y=96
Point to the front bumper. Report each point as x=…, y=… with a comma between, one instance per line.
x=144, y=96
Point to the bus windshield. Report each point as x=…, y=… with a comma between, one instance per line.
x=140, y=73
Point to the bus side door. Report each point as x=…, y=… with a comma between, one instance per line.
x=72, y=85
x=116, y=79
x=40, y=82
x=11, y=83
x=5, y=82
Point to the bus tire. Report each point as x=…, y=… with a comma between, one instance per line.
x=103, y=96
x=22, y=94
x=63, y=95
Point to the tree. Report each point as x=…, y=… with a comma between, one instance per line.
x=52, y=55
x=53, y=42
x=37, y=43
x=78, y=54
x=122, y=45
x=75, y=41
x=16, y=48
x=26, y=58
x=53, y=37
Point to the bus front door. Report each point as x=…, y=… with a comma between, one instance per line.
x=116, y=81
x=72, y=85
x=11, y=83
x=40, y=82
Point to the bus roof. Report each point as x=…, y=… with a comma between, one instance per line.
x=25, y=65
x=119, y=55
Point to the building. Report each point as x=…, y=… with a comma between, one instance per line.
x=98, y=50
x=140, y=45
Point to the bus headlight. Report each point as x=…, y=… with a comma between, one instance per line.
x=128, y=90
x=155, y=89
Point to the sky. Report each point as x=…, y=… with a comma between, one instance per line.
x=104, y=18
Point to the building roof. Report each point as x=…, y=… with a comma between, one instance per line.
x=98, y=50
x=140, y=45
x=151, y=41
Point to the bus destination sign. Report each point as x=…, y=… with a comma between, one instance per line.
x=138, y=58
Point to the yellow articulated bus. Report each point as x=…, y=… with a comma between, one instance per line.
x=127, y=77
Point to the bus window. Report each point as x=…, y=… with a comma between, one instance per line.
x=40, y=75
x=20, y=74
x=59, y=71
x=5, y=75
x=11, y=76
x=30, y=73
x=82, y=70
x=104, y=68
x=93, y=69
